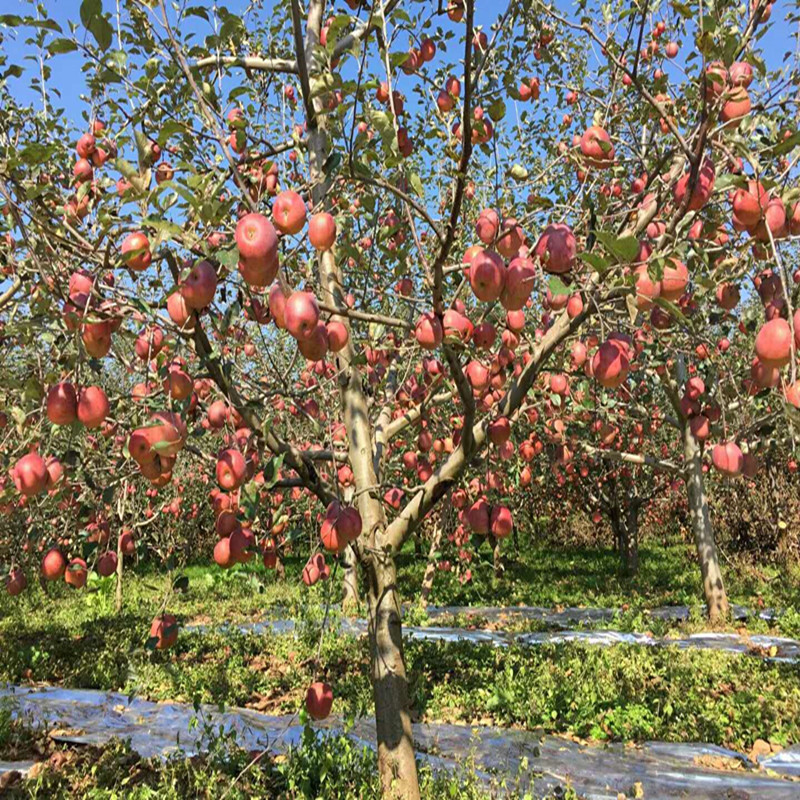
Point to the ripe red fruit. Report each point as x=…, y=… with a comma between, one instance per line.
x=30, y=475
x=484, y=335
x=736, y=107
x=127, y=545
x=596, y=147
x=217, y=414
x=750, y=204
x=107, y=564
x=610, y=364
x=695, y=387
x=258, y=249
x=165, y=631
x=393, y=498
x=277, y=305
x=16, y=582
x=428, y=331
x=76, y=573
x=728, y=459
x=62, y=404
x=53, y=564
x=727, y=296
x=289, y=212
x=96, y=338
x=774, y=343
x=704, y=185
x=86, y=145
x=341, y=526
x=557, y=249
x=322, y=231
x=231, y=469
x=674, y=279
x=93, y=406
x=311, y=572
x=499, y=430
x=149, y=343
x=319, y=700
x=501, y=522
x=222, y=553
x=136, y=252
x=487, y=275
x=179, y=312
x=337, y=335
x=301, y=314
x=200, y=285
x=520, y=277
x=478, y=516
x=487, y=225
x=477, y=375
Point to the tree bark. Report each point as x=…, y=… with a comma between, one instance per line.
x=118, y=597
x=396, y=761
x=629, y=552
x=713, y=586
x=350, y=599
x=497, y=557
x=430, y=569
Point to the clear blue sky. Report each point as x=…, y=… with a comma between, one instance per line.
x=67, y=78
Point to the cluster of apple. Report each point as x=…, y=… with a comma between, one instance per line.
x=91, y=155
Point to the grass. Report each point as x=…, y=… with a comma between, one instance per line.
x=541, y=575
x=324, y=768
x=544, y=575
x=624, y=693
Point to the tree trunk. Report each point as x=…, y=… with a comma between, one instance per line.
x=497, y=557
x=350, y=599
x=396, y=761
x=118, y=598
x=430, y=569
x=713, y=587
x=629, y=544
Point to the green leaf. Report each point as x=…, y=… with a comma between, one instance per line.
x=557, y=286
x=10, y=19
x=595, y=260
x=272, y=470
x=727, y=181
x=415, y=183
x=623, y=248
x=671, y=309
x=248, y=500
x=787, y=144
x=61, y=46
x=97, y=24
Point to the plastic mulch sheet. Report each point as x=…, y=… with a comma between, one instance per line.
x=653, y=770
x=774, y=648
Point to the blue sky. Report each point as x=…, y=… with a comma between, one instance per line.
x=68, y=81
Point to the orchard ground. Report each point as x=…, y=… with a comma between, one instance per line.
x=375, y=304
x=624, y=692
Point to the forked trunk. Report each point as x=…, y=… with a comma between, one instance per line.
x=396, y=763
x=713, y=587
x=430, y=568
